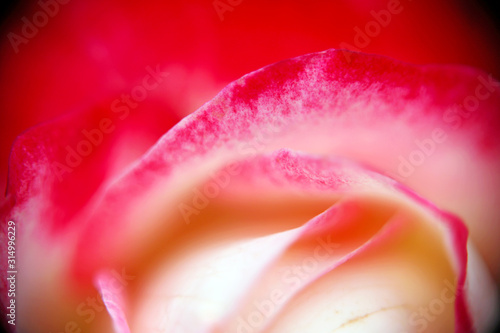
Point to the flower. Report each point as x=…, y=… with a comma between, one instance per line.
x=79, y=54
x=322, y=192
x=119, y=75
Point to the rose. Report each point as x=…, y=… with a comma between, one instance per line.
x=291, y=217
x=89, y=53
x=85, y=188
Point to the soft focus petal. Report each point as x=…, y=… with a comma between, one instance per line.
x=114, y=298
x=372, y=110
x=56, y=170
x=62, y=163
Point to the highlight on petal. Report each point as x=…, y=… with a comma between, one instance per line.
x=113, y=296
x=482, y=293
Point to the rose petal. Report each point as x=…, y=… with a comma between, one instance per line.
x=46, y=192
x=306, y=100
x=64, y=162
x=322, y=104
x=344, y=222
x=89, y=51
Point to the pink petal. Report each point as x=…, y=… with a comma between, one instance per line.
x=320, y=104
x=371, y=110
x=92, y=51
x=64, y=162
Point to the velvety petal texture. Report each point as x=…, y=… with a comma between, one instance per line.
x=92, y=51
x=332, y=191
x=408, y=122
